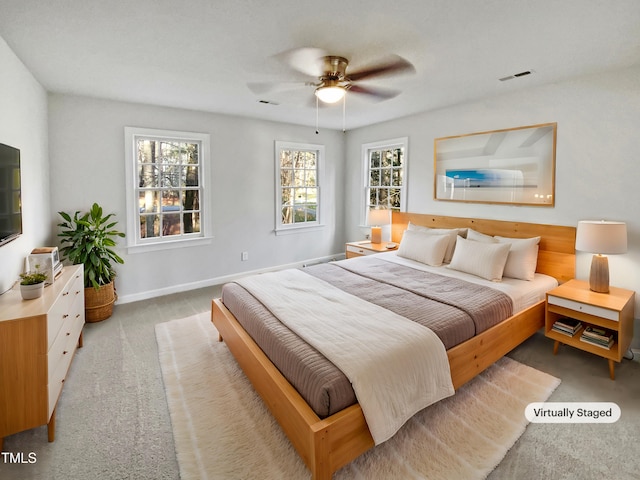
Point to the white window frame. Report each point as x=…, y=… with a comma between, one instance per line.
x=281, y=228
x=402, y=142
x=135, y=243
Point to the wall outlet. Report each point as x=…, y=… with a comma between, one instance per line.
x=244, y=256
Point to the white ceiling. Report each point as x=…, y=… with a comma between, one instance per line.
x=200, y=54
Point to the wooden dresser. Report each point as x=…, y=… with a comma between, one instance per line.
x=38, y=339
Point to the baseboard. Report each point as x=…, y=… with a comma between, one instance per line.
x=210, y=282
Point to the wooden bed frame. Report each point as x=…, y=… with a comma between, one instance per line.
x=327, y=444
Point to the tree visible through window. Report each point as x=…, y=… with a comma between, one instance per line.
x=298, y=184
x=385, y=165
x=385, y=178
x=169, y=187
x=168, y=192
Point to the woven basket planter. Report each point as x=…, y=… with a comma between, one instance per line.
x=98, y=304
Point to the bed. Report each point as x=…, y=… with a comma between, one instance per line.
x=325, y=443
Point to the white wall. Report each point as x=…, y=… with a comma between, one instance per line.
x=23, y=124
x=597, y=158
x=87, y=165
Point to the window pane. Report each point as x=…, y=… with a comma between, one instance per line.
x=385, y=175
x=287, y=196
x=387, y=158
x=189, y=176
x=374, y=178
x=170, y=200
x=148, y=176
x=299, y=178
x=286, y=177
x=191, y=222
x=149, y=226
x=191, y=199
x=375, y=159
x=397, y=157
x=310, y=161
x=394, y=197
x=397, y=178
x=373, y=197
x=287, y=215
x=170, y=224
x=300, y=195
x=285, y=159
x=149, y=201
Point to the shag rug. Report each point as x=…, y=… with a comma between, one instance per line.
x=222, y=430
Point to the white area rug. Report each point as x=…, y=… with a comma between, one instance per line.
x=222, y=429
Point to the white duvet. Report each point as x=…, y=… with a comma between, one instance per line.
x=396, y=366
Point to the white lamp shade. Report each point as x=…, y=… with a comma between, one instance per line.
x=603, y=237
x=330, y=94
x=379, y=217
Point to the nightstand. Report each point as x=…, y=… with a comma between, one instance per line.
x=359, y=249
x=611, y=311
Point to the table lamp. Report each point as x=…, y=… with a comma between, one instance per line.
x=601, y=238
x=377, y=218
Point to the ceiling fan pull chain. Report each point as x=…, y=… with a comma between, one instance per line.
x=317, y=116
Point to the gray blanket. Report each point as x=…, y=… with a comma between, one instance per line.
x=456, y=310
x=403, y=290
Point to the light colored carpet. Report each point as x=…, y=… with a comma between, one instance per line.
x=223, y=431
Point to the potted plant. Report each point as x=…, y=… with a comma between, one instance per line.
x=88, y=239
x=32, y=284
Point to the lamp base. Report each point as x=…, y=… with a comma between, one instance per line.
x=599, y=276
x=376, y=234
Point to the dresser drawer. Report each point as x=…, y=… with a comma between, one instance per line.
x=60, y=356
x=63, y=307
x=359, y=250
x=583, y=307
x=65, y=341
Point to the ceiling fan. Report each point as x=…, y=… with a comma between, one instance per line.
x=331, y=79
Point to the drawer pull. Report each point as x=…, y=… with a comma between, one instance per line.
x=65, y=294
x=65, y=315
x=77, y=315
x=65, y=352
x=77, y=292
x=68, y=333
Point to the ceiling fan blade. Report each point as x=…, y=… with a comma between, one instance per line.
x=307, y=60
x=262, y=88
x=391, y=66
x=378, y=93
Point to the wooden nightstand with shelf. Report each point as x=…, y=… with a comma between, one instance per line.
x=359, y=249
x=612, y=311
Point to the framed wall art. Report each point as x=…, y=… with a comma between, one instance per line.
x=510, y=166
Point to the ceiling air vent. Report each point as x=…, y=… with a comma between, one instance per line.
x=516, y=75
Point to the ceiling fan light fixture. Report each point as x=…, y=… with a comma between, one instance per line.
x=331, y=94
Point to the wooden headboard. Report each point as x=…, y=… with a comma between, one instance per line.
x=556, y=256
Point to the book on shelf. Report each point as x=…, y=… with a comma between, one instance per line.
x=566, y=326
x=597, y=336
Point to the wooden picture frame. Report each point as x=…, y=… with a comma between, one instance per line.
x=513, y=166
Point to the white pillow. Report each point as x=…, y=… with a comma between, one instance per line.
x=486, y=260
x=423, y=247
x=523, y=257
x=480, y=237
x=452, y=234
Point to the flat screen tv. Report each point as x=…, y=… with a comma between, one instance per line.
x=10, y=205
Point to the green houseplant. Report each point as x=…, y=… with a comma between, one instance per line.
x=32, y=284
x=88, y=238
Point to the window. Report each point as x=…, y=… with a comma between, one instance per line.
x=165, y=194
x=385, y=167
x=298, y=178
